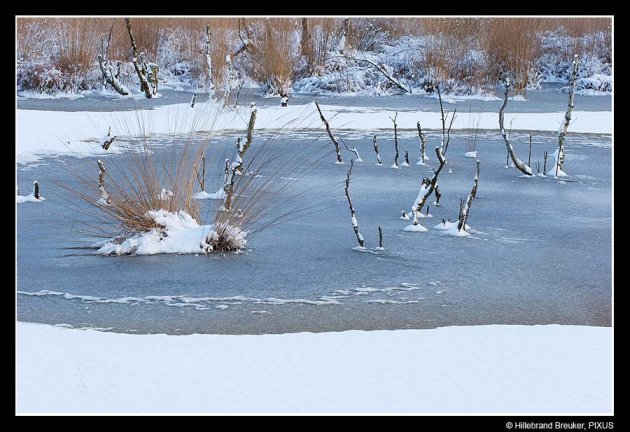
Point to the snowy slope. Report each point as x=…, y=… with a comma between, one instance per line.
x=496, y=368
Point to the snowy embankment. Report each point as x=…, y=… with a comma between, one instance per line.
x=55, y=133
x=452, y=369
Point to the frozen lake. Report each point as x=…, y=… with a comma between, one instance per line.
x=540, y=252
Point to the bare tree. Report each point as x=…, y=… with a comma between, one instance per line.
x=567, y=117
x=332, y=138
x=140, y=71
x=355, y=223
x=517, y=162
x=465, y=208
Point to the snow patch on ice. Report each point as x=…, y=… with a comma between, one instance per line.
x=471, y=154
x=28, y=198
x=414, y=228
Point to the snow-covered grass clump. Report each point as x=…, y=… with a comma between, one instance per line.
x=176, y=233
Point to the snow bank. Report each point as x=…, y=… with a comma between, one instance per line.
x=77, y=133
x=562, y=369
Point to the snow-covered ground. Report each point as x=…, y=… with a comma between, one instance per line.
x=484, y=369
x=54, y=133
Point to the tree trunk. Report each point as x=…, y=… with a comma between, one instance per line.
x=517, y=162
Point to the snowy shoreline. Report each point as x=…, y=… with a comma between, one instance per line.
x=477, y=369
x=77, y=134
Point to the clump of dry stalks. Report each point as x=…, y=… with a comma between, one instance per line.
x=150, y=177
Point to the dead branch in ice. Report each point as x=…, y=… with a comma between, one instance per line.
x=506, y=137
x=237, y=165
x=395, y=139
x=378, y=156
x=465, y=208
x=428, y=186
x=332, y=137
x=446, y=132
x=423, y=146
x=192, y=100
x=380, y=238
x=108, y=139
x=104, y=199
x=355, y=223
x=201, y=176
x=36, y=193
x=352, y=150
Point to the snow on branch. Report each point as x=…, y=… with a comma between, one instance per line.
x=382, y=71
